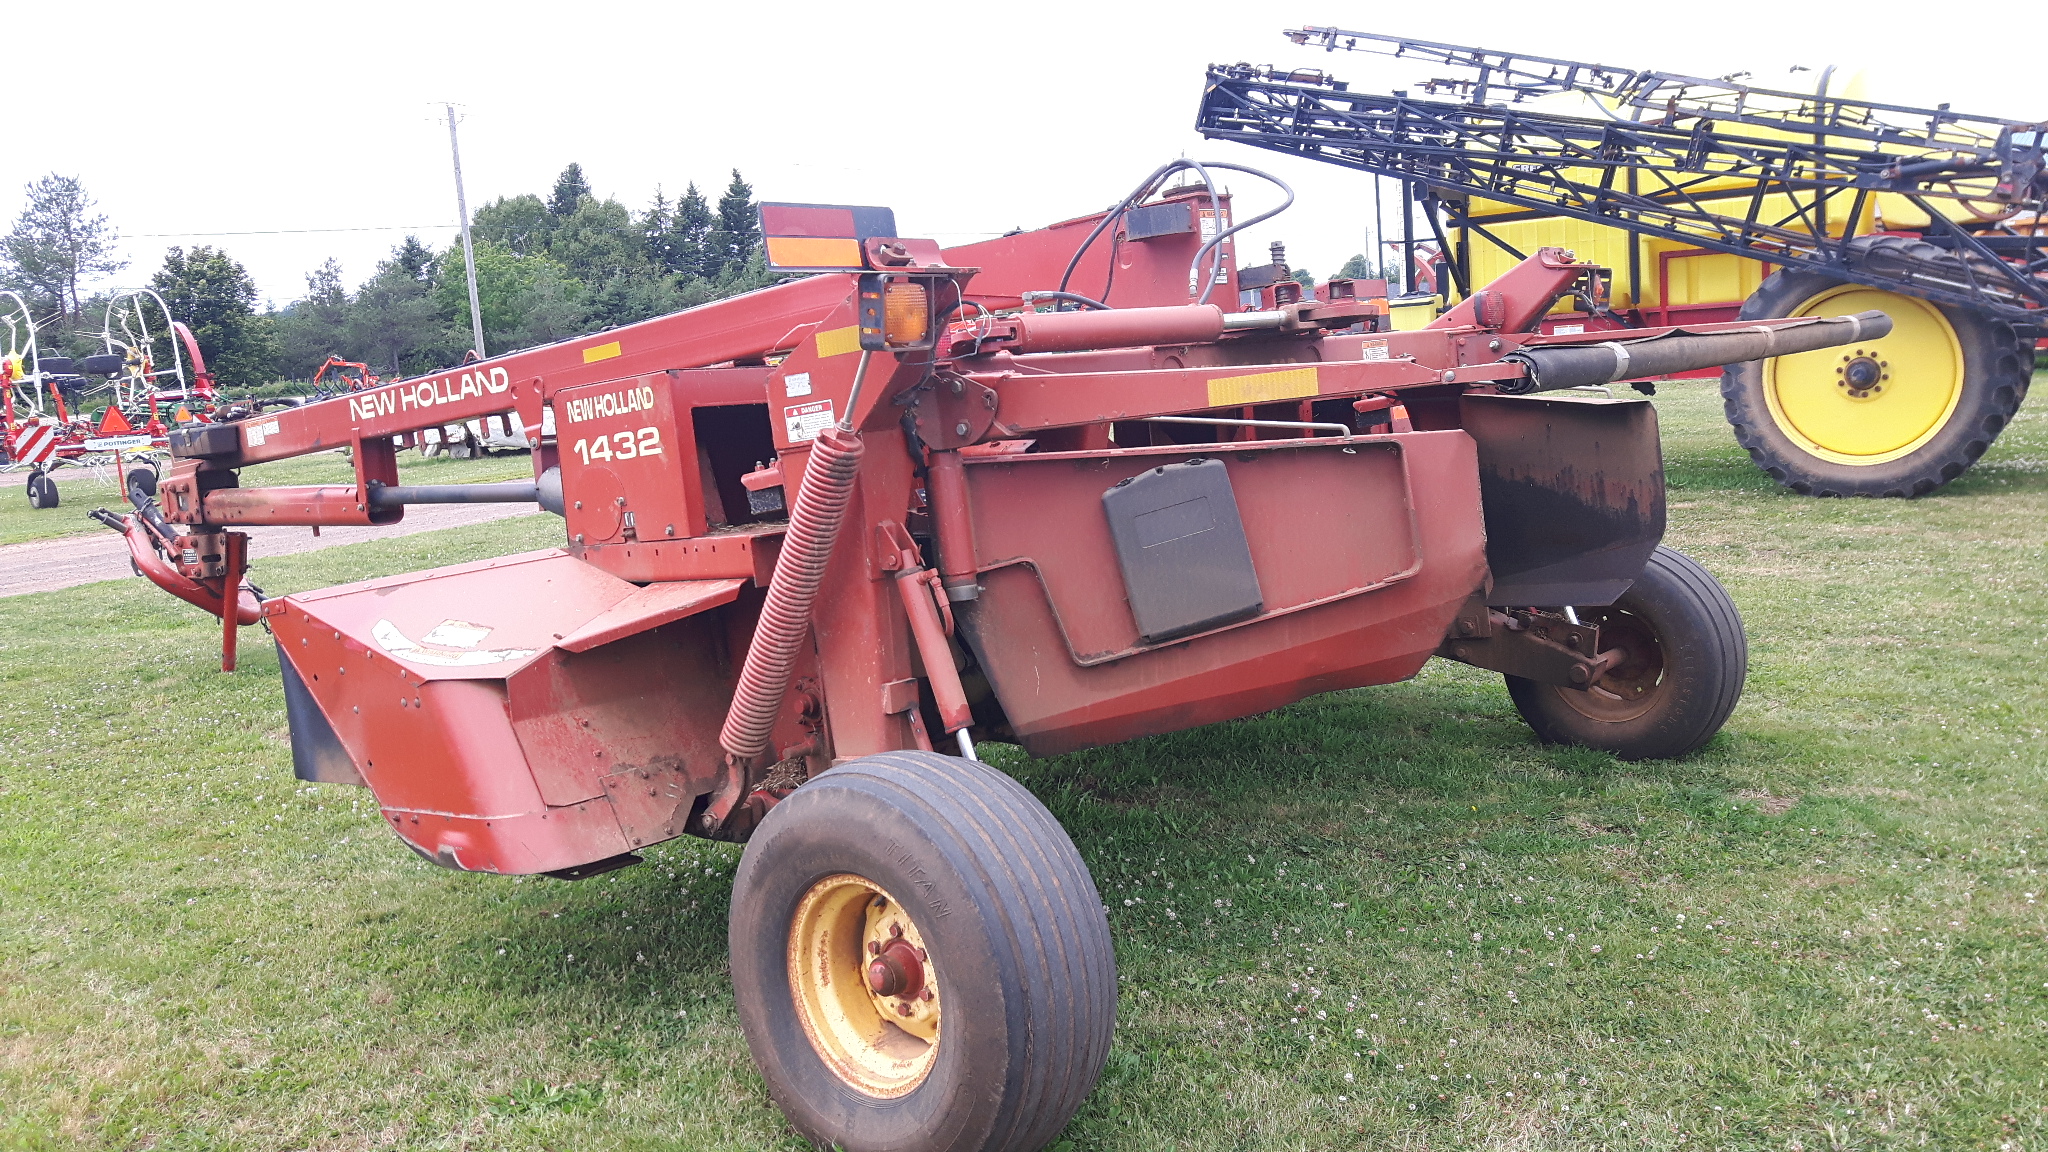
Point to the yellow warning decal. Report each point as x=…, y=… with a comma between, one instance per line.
x=601, y=352
x=839, y=341
x=814, y=252
x=1258, y=388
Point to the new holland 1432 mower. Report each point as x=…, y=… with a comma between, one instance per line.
x=824, y=538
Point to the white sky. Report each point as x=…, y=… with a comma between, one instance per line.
x=205, y=120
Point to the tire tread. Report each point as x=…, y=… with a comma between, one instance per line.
x=2007, y=374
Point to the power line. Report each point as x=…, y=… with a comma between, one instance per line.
x=282, y=231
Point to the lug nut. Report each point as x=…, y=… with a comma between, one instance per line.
x=895, y=929
x=903, y=1009
x=874, y=947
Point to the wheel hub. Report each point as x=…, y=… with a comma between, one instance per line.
x=1862, y=375
x=1872, y=402
x=897, y=971
x=864, y=985
x=1628, y=688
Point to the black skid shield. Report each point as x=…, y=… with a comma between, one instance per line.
x=1573, y=494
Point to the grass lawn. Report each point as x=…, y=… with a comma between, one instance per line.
x=1383, y=919
x=80, y=490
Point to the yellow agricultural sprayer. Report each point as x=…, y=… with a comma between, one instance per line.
x=1708, y=200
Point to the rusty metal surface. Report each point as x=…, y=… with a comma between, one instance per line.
x=1574, y=495
x=1534, y=645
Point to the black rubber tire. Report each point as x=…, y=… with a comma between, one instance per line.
x=1998, y=362
x=42, y=491
x=141, y=478
x=1705, y=659
x=1022, y=946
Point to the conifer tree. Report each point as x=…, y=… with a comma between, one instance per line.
x=738, y=233
x=571, y=187
x=692, y=232
x=59, y=244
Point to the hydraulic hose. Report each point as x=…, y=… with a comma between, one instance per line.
x=1603, y=362
x=814, y=521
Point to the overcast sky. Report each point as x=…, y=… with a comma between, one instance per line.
x=289, y=133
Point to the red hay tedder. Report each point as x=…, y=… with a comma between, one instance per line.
x=823, y=537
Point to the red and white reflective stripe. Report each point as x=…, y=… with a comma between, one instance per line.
x=35, y=444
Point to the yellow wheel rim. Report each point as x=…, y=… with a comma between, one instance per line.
x=865, y=989
x=1872, y=402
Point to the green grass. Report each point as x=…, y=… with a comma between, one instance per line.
x=81, y=490
x=1825, y=931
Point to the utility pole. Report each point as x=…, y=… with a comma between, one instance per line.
x=476, y=315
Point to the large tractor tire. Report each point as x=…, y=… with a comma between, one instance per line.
x=920, y=960
x=1680, y=670
x=1897, y=416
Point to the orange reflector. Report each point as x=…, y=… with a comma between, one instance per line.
x=906, y=313
x=814, y=252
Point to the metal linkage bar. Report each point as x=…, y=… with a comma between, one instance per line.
x=1697, y=184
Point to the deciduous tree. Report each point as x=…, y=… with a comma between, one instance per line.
x=519, y=224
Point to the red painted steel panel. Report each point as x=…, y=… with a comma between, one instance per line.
x=796, y=220
x=486, y=742
x=1359, y=588
x=650, y=607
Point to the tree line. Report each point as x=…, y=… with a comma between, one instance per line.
x=548, y=267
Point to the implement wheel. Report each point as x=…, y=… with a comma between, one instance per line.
x=1897, y=416
x=1682, y=664
x=42, y=491
x=921, y=960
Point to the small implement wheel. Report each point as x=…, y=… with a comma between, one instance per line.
x=141, y=483
x=1682, y=661
x=1897, y=416
x=42, y=491
x=920, y=959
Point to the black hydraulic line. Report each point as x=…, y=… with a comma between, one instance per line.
x=1407, y=237
x=1069, y=297
x=1585, y=365
x=1215, y=242
x=1379, y=230
x=1138, y=196
x=1445, y=257
x=399, y=495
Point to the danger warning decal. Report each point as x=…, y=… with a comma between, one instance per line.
x=35, y=444
x=805, y=421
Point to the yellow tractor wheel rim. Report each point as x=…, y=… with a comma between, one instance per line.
x=1872, y=402
x=865, y=988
